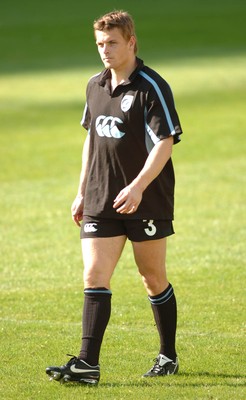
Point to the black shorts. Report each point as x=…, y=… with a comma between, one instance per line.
x=136, y=230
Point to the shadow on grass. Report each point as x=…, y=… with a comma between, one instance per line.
x=150, y=58
x=193, y=379
x=57, y=36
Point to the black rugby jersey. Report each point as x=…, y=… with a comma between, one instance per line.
x=124, y=126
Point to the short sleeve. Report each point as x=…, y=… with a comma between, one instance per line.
x=86, y=118
x=161, y=116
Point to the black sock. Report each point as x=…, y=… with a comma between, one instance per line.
x=96, y=314
x=164, y=308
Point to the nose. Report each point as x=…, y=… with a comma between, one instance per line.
x=105, y=48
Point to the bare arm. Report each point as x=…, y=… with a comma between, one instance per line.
x=78, y=204
x=130, y=197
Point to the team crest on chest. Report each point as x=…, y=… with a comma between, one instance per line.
x=126, y=102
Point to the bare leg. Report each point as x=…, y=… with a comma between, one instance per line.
x=150, y=257
x=100, y=258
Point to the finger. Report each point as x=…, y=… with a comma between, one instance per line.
x=77, y=219
x=122, y=209
x=132, y=210
x=122, y=196
x=77, y=222
x=126, y=209
x=119, y=201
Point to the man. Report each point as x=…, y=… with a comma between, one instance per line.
x=126, y=190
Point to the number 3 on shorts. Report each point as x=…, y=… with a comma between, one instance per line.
x=151, y=230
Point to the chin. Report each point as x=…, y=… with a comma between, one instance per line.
x=107, y=64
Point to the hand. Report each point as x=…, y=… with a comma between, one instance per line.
x=77, y=209
x=128, y=200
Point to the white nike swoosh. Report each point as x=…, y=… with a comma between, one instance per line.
x=79, y=371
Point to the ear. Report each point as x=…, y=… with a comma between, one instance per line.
x=132, y=42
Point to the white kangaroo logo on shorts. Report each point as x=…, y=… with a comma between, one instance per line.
x=106, y=126
x=91, y=227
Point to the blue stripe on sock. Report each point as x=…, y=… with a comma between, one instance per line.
x=97, y=291
x=162, y=299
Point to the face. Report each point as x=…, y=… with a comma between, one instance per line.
x=115, y=51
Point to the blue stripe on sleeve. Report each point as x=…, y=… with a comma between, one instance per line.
x=162, y=100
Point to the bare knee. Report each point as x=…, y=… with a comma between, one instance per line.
x=154, y=284
x=94, y=278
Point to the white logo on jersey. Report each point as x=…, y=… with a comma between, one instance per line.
x=106, y=126
x=126, y=102
x=151, y=230
x=90, y=227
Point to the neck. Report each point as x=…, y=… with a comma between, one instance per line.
x=121, y=74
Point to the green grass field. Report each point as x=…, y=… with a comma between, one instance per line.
x=47, y=56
